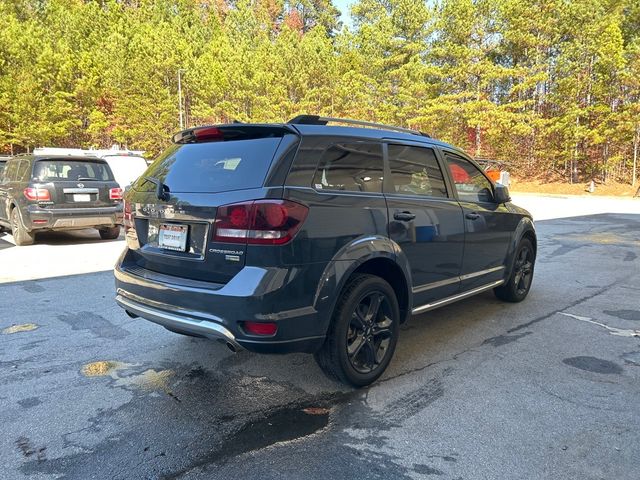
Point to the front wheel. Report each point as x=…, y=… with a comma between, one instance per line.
x=363, y=332
x=518, y=285
x=110, y=233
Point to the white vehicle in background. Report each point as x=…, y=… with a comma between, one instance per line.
x=127, y=165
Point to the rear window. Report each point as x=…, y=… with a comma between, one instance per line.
x=73, y=170
x=214, y=166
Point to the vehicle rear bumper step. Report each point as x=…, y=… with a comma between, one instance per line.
x=70, y=218
x=83, y=222
x=179, y=323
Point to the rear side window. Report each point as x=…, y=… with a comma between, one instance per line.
x=213, y=167
x=415, y=171
x=469, y=182
x=351, y=167
x=11, y=170
x=71, y=170
x=23, y=171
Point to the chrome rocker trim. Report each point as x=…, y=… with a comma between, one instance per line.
x=455, y=298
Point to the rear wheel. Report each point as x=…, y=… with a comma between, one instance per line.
x=109, y=233
x=363, y=332
x=21, y=236
x=517, y=287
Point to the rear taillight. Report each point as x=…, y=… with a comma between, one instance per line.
x=115, y=194
x=37, y=194
x=127, y=220
x=260, y=222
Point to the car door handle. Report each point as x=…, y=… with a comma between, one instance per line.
x=404, y=216
x=472, y=216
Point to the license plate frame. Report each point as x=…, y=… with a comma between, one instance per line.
x=173, y=236
x=82, y=197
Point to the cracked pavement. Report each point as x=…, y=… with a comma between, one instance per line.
x=477, y=390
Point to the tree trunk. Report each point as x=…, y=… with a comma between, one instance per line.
x=634, y=169
x=478, y=127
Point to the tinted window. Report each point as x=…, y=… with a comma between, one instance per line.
x=470, y=183
x=214, y=166
x=23, y=171
x=353, y=167
x=415, y=171
x=11, y=170
x=73, y=170
x=2, y=165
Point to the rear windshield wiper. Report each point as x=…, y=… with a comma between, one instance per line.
x=162, y=191
x=84, y=179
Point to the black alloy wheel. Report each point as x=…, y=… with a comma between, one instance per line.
x=369, y=334
x=523, y=270
x=517, y=286
x=363, y=333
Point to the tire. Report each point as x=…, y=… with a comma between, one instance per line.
x=365, y=320
x=21, y=236
x=518, y=285
x=109, y=233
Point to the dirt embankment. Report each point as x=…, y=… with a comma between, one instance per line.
x=608, y=189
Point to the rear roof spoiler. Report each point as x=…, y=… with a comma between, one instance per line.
x=230, y=131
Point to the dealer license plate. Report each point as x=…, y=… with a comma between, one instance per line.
x=173, y=237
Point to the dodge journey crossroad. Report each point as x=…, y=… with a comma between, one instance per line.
x=318, y=238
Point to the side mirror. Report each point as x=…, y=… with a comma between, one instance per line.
x=501, y=194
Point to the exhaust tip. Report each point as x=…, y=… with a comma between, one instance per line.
x=132, y=315
x=231, y=347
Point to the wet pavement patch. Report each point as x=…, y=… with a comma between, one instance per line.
x=624, y=314
x=23, y=327
x=632, y=358
x=96, y=324
x=28, y=450
x=29, y=402
x=282, y=425
x=32, y=287
x=151, y=381
x=426, y=470
x=504, y=339
x=415, y=401
x=593, y=364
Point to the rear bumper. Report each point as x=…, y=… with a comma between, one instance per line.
x=217, y=311
x=180, y=323
x=37, y=218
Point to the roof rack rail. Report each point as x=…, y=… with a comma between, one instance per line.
x=318, y=120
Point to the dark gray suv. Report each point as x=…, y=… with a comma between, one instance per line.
x=58, y=192
x=304, y=237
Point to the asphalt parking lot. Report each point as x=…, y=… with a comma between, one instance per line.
x=548, y=388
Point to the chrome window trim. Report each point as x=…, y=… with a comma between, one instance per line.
x=448, y=281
